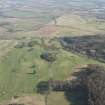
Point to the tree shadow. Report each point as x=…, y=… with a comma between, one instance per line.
x=76, y=97
x=77, y=93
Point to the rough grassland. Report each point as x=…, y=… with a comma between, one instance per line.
x=16, y=70
x=76, y=25
x=6, y=46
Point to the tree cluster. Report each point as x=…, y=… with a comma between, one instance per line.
x=90, y=80
x=92, y=46
x=95, y=84
x=48, y=56
x=67, y=85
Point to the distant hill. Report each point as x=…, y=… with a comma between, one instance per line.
x=55, y=3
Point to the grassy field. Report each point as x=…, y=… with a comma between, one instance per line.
x=43, y=25
x=22, y=69
x=21, y=66
x=76, y=25
x=16, y=70
x=69, y=25
x=6, y=46
x=18, y=64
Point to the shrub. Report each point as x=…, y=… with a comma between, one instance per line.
x=48, y=56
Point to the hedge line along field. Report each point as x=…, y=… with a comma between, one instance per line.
x=22, y=68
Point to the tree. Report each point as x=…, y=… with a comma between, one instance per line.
x=95, y=84
x=49, y=56
x=43, y=88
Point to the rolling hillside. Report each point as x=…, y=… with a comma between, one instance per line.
x=31, y=28
x=17, y=77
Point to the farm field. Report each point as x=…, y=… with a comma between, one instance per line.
x=37, y=20
x=66, y=25
x=75, y=25
x=48, y=40
x=16, y=69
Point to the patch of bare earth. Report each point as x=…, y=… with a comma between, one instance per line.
x=26, y=100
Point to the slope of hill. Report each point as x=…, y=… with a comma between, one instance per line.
x=26, y=17
x=73, y=25
x=29, y=28
x=77, y=25
x=23, y=69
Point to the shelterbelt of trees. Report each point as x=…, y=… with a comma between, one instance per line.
x=90, y=80
x=92, y=46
